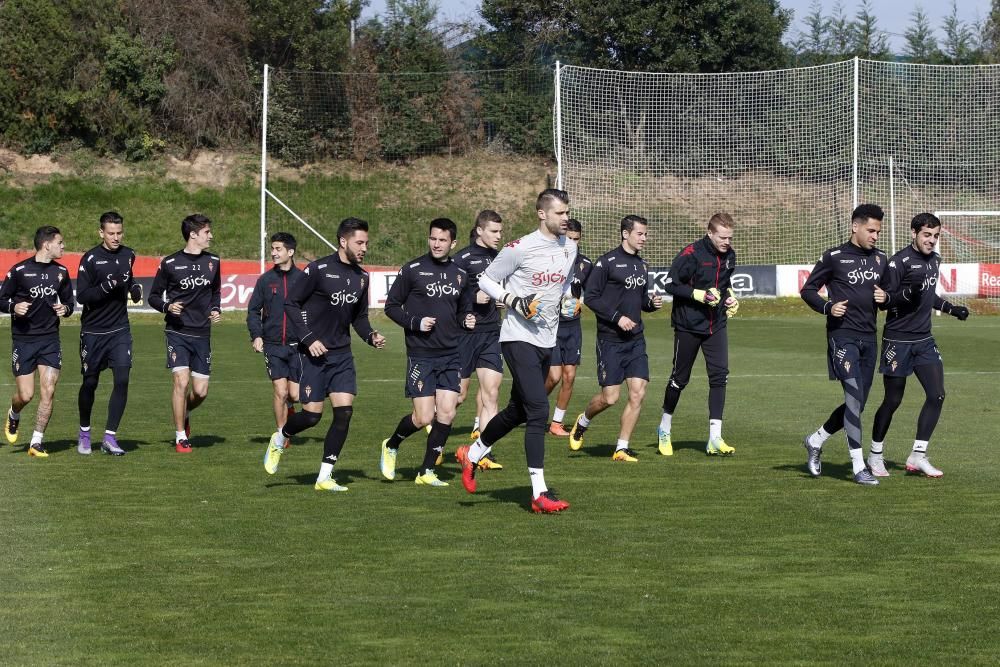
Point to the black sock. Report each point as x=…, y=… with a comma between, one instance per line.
x=300, y=421
x=435, y=444
x=336, y=435
x=119, y=397
x=404, y=430
x=85, y=400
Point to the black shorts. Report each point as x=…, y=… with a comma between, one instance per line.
x=569, y=342
x=283, y=362
x=852, y=358
x=333, y=373
x=618, y=360
x=27, y=354
x=479, y=350
x=193, y=352
x=900, y=357
x=427, y=375
x=103, y=350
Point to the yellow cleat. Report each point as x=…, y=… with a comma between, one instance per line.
x=272, y=456
x=429, y=478
x=663, y=444
x=329, y=484
x=10, y=428
x=387, y=462
x=576, y=434
x=489, y=462
x=474, y=435
x=626, y=455
x=440, y=458
x=428, y=429
x=718, y=447
x=38, y=451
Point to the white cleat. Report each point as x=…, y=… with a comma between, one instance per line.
x=876, y=463
x=921, y=465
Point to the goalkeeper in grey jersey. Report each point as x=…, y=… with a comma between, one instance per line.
x=529, y=276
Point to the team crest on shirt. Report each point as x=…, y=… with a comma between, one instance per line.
x=59, y=277
x=362, y=283
x=211, y=265
x=459, y=279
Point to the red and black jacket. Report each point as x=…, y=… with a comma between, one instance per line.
x=699, y=266
x=266, y=316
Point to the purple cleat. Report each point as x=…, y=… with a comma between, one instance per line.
x=110, y=446
x=83, y=443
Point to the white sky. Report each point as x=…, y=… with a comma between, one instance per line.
x=893, y=15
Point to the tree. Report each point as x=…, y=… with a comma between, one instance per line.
x=697, y=36
x=866, y=40
x=991, y=34
x=958, y=47
x=812, y=46
x=921, y=45
x=839, y=26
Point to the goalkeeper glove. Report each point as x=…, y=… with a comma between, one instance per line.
x=570, y=306
x=576, y=288
x=710, y=296
x=526, y=306
x=960, y=312
x=732, y=304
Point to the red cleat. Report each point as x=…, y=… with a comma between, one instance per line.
x=468, y=469
x=547, y=503
x=558, y=430
x=183, y=447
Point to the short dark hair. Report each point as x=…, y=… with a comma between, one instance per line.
x=194, y=223
x=348, y=226
x=573, y=225
x=284, y=238
x=867, y=212
x=445, y=225
x=111, y=218
x=45, y=234
x=720, y=219
x=485, y=217
x=547, y=196
x=630, y=221
x=921, y=220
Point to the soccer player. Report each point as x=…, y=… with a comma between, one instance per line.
x=431, y=299
x=616, y=292
x=529, y=277
x=908, y=346
x=270, y=332
x=187, y=288
x=699, y=281
x=36, y=293
x=479, y=348
x=851, y=273
x=330, y=297
x=569, y=338
x=104, y=283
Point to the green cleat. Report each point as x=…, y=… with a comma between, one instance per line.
x=272, y=456
x=663, y=444
x=387, y=462
x=329, y=484
x=429, y=478
x=718, y=447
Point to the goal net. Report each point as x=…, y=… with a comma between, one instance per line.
x=786, y=152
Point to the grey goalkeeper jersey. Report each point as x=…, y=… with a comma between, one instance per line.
x=535, y=265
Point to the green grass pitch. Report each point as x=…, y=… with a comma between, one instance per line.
x=161, y=558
